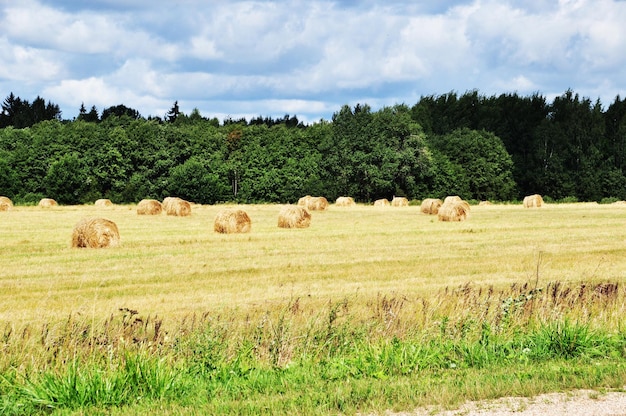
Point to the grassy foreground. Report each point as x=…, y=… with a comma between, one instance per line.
x=368, y=309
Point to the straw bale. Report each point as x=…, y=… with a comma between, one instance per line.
x=303, y=202
x=47, y=203
x=382, y=202
x=345, y=201
x=452, y=198
x=431, y=206
x=176, y=206
x=399, y=201
x=149, y=207
x=103, y=202
x=454, y=211
x=5, y=203
x=230, y=221
x=313, y=203
x=484, y=203
x=95, y=233
x=318, y=203
x=294, y=216
x=167, y=202
x=533, y=201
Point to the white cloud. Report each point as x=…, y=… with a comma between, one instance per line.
x=25, y=64
x=305, y=55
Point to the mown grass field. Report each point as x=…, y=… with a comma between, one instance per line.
x=356, y=284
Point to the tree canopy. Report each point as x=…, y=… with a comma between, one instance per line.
x=498, y=148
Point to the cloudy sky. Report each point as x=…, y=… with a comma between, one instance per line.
x=304, y=57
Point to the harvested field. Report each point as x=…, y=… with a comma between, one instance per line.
x=174, y=268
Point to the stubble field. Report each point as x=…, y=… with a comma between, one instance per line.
x=173, y=266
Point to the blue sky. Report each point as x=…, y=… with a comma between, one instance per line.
x=308, y=58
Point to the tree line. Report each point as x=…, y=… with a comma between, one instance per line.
x=497, y=148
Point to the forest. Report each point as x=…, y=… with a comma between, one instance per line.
x=496, y=148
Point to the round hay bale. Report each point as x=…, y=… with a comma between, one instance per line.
x=47, y=203
x=304, y=201
x=431, y=206
x=177, y=207
x=313, y=203
x=103, y=202
x=5, y=203
x=399, y=201
x=149, y=207
x=382, y=202
x=533, y=201
x=229, y=221
x=345, y=201
x=452, y=198
x=167, y=202
x=95, y=233
x=484, y=203
x=317, y=203
x=294, y=216
x=454, y=211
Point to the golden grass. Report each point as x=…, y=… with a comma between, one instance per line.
x=172, y=267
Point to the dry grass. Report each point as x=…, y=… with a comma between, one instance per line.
x=173, y=267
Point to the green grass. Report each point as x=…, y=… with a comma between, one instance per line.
x=367, y=310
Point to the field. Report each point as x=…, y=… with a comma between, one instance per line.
x=385, y=272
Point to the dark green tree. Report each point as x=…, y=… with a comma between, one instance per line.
x=484, y=163
x=8, y=178
x=120, y=111
x=173, y=114
x=67, y=180
x=91, y=116
x=195, y=181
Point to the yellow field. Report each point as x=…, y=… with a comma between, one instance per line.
x=172, y=266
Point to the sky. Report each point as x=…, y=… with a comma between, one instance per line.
x=305, y=57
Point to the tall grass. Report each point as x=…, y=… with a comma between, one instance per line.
x=334, y=360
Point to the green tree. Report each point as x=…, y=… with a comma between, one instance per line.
x=120, y=110
x=67, y=180
x=484, y=161
x=8, y=178
x=195, y=181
